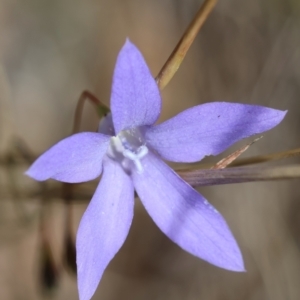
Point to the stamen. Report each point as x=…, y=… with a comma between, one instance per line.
x=143, y=150
x=130, y=155
x=135, y=157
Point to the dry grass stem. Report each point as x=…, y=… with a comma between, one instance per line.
x=174, y=61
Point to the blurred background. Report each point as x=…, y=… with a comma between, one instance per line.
x=50, y=51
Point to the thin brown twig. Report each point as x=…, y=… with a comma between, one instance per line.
x=197, y=178
x=250, y=160
x=228, y=160
x=86, y=95
x=206, y=177
x=174, y=61
x=67, y=189
x=266, y=158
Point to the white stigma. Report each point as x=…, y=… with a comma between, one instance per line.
x=135, y=157
x=127, y=147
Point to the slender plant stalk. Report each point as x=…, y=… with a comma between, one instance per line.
x=174, y=61
x=86, y=95
x=223, y=163
x=246, y=161
x=205, y=177
x=196, y=178
x=266, y=158
x=67, y=190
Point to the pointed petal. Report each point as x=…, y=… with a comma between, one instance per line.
x=106, y=125
x=209, y=129
x=185, y=216
x=103, y=227
x=77, y=158
x=135, y=97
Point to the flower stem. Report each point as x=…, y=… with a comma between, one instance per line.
x=198, y=178
x=69, y=255
x=86, y=95
x=174, y=61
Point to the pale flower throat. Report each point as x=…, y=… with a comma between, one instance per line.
x=128, y=148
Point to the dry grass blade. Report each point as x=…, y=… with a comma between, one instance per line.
x=239, y=175
x=248, y=161
x=223, y=163
x=174, y=61
x=267, y=158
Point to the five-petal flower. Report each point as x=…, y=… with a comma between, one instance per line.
x=128, y=148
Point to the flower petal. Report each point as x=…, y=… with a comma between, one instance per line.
x=106, y=125
x=135, y=97
x=209, y=129
x=103, y=227
x=185, y=216
x=77, y=158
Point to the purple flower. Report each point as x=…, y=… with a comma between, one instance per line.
x=131, y=160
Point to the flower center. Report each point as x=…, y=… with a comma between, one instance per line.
x=128, y=148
